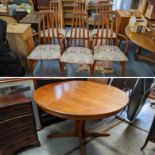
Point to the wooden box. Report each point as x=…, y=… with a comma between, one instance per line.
x=17, y=125
x=20, y=40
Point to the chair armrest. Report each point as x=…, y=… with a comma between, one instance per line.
x=127, y=42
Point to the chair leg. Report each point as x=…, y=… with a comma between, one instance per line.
x=31, y=65
x=147, y=140
x=62, y=68
x=123, y=68
x=91, y=69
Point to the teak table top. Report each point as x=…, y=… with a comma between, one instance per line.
x=143, y=40
x=80, y=100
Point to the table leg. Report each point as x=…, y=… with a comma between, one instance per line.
x=138, y=52
x=79, y=132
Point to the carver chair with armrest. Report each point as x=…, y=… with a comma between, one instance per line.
x=50, y=39
x=105, y=40
x=78, y=51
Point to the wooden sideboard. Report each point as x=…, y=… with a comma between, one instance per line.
x=17, y=125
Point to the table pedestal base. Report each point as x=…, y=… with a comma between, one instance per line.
x=140, y=56
x=79, y=132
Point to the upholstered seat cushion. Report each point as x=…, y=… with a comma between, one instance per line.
x=47, y=32
x=78, y=32
x=108, y=34
x=45, y=52
x=109, y=53
x=79, y=55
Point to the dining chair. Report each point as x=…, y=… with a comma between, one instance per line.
x=105, y=40
x=57, y=6
x=103, y=5
x=78, y=51
x=79, y=6
x=50, y=39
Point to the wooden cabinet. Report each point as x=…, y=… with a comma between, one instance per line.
x=17, y=125
x=20, y=40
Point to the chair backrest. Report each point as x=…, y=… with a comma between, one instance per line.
x=79, y=6
x=56, y=5
x=48, y=27
x=79, y=30
x=106, y=28
x=103, y=5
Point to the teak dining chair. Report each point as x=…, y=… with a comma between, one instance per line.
x=103, y=5
x=79, y=6
x=105, y=40
x=50, y=39
x=78, y=51
x=56, y=5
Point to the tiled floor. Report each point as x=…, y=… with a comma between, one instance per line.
x=125, y=139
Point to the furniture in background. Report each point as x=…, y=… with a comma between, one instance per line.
x=50, y=39
x=56, y=5
x=142, y=40
x=151, y=135
x=8, y=19
x=105, y=41
x=80, y=101
x=150, y=12
x=20, y=39
x=124, y=16
x=18, y=129
x=4, y=7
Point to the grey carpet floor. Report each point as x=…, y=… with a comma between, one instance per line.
x=125, y=139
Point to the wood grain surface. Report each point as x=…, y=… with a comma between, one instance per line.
x=80, y=100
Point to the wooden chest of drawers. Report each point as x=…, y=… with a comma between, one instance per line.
x=17, y=126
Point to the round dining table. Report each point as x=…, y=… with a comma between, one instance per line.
x=80, y=101
x=142, y=40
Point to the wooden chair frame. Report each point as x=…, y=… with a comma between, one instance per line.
x=108, y=20
x=56, y=5
x=79, y=24
x=48, y=32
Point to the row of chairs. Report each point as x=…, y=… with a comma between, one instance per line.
x=83, y=46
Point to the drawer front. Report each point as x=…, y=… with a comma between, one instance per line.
x=15, y=111
x=17, y=133
x=14, y=126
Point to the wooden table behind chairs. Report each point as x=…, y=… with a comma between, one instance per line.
x=142, y=40
x=80, y=101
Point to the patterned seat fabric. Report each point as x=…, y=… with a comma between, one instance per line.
x=61, y=31
x=68, y=35
x=94, y=31
x=79, y=55
x=45, y=52
x=109, y=53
